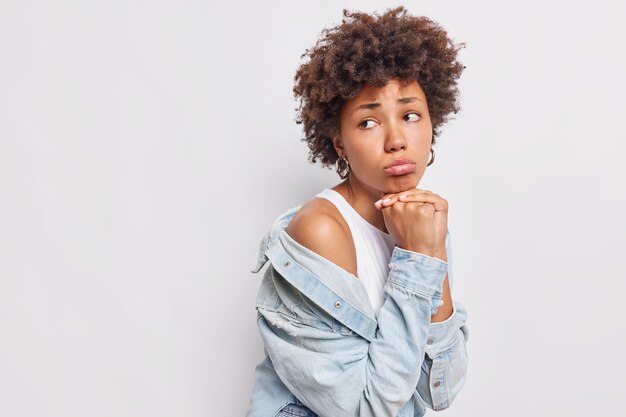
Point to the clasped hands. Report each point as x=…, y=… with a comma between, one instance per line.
x=419, y=197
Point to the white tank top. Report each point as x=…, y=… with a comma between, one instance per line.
x=373, y=248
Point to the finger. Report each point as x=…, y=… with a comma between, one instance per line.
x=390, y=199
x=418, y=191
x=415, y=191
x=407, y=192
x=383, y=197
x=387, y=201
x=379, y=204
x=439, y=203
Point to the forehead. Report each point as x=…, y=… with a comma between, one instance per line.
x=392, y=89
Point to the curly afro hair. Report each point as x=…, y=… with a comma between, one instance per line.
x=372, y=49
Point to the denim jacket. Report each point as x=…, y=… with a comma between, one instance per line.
x=327, y=352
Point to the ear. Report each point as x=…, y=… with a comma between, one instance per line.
x=337, y=144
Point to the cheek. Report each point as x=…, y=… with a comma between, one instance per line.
x=365, y=162
x=362, y=162
x=425, y=140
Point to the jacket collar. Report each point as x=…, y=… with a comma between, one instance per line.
x=270, y=237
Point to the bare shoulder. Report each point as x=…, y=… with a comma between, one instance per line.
x=319, y=226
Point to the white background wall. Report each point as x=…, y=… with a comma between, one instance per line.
x=146, y=146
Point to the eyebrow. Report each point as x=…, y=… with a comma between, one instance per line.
x=374, y=105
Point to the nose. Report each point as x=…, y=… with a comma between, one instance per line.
x=394, y=140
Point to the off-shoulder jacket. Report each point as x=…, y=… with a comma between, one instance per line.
x=327, y=350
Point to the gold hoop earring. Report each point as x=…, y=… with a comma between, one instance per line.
x=432, y=158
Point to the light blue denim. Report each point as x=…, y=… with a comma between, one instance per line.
x=327, y=352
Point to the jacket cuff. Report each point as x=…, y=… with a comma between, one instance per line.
x=417, y=272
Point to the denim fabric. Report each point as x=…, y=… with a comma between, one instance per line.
x=295, y=409
x=327, y=352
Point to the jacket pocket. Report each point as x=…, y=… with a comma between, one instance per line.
x=291, y=302
x=320, y=315
x=306, y=317
x=293, y=320
x=340, y=328
x=309, y=313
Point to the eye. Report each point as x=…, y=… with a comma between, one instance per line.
x=363, y=124
x=417, y=115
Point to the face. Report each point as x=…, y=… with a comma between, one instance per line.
x=380, y=126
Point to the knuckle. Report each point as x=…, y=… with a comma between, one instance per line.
x=425, y=209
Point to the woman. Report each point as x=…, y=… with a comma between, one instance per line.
x=355, y=310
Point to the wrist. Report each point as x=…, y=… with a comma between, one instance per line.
x=421, y=250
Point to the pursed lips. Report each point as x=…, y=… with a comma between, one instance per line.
x=400, y=161
x=400, y=166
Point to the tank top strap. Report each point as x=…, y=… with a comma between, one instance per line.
x=347, y=211
x=350, y=214
x=352, y=218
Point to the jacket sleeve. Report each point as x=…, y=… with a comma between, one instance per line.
x=445, y=365
x=339, y=375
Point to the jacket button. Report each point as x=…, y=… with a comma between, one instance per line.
x=429, y=341
x=436, y=384
x=338, y=304
x=286, y=263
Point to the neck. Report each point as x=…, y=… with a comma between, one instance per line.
x=362, y=199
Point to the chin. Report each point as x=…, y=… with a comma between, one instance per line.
x=401, y=183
